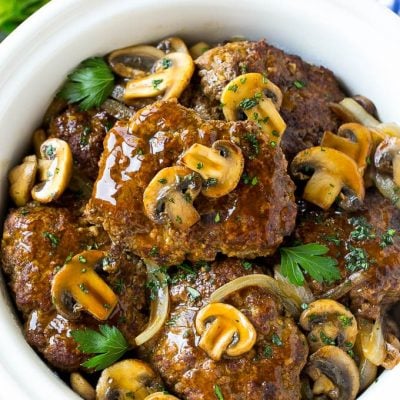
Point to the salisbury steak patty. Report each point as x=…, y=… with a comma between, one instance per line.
x=250, y=221
x=270, y=370
x=367, y=242
x=307, y=89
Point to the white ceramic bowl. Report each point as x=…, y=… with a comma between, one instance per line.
x=357, y=39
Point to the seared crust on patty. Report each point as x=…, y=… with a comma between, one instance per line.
x=250, y=221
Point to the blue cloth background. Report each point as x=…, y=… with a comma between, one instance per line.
x=393, y=4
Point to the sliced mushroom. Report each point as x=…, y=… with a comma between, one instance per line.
x=259, y=99
x=22, y=179
x=55, y=170
x=224, y=329
x=353, y=139
x=334, y=172
x=172, y=45
x=198, y=49
x=135, y=61
x=392, y=352
x=161, y=396
x=220, y=165
x=82, y=387
x=169, y=197
x=334, y=373
x=329, y=322
x=170, y=77
x=387, y=158
x=77, y=287
x=127, y=379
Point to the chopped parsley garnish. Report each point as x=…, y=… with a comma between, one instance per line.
x=84, y=138
x=199, y=165
x=119, y=286
x=299, y=84
x=210, y=182
x=50, y=151
x=158, y=279
x=83, y=288
x=387, y=238
x=166, y=63
x=276, y=340
x=153, y=251
x=267, y=352
x=356, y=259
x=326, y=339
x=311, y=259
x=54, y=240
x=243, y=68
x=363, y=230
x=345, y=321
x=82, y=259
x=218, y=392
x=233, y=88
x=156, y=83
x=248, y=103
x=251, y=138
x=217, y=218
x=249, y=180
x=304, y=306
x=178, y=219
x=187, y=196
x=272, y=143
x=90, y=84
x=163, y=181
x=333, y=239
x=193, y=293
x=243, y=80
x=247, y=265
x=109, y=344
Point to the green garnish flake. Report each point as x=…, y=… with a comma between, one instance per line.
x=310, y=258
x=162, y=181
x=356, y=259
x=166, y=63
x=193, y=293
x=156, y=83
x=50, y=151
x=217, y=218
x=218, y=392
x=84, y=138
x=119, y=286
x=83, y=288
x=251, y=138
x=109, y=344
x=158, y=279
x=362, y=229
x=249, y=180
x=233, y=88
x=247, y=265
x=82, y=259
x=89, y=84
x=178, y=219
x=272, y=143
x=248, y=103
x=387, y=238
x=345, y=321
x=243, y=80
x=54, y=240
x=304, y=306
x=210, y=182
x=199, y=165
x=69, y=257
x=153, y=251
x=243, y=68
x=267, y=352
x=299, y=84
x=276, y=340
x=326, y=339
x=333, y=239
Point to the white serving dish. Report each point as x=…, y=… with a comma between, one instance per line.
x=358, y=39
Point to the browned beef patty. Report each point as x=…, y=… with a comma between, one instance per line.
x=352, y=245
x=84, y=131
x=36, y=242
x=252, y=219
x=305, y=109
x=270, y=370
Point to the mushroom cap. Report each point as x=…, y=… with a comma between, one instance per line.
x=81, y=386
x=127, y=376
x=387, y=158
x=333, y=171
x=77, y=286
x=340, y=369
x=326, y=318
x=169, y=197
x=173, y=44
x=161, y=396
x=220, y=165
x=171, y=80
x=22, y=179
x=55, y=166
x=225, y=323
x=134, y=61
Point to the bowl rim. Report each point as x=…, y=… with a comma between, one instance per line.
x=39, y=26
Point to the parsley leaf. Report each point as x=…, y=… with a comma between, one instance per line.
x=309, y=257
x=90, y=84
x=218, y=392
x=109, y=344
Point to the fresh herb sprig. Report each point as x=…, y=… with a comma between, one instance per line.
x=90, y=84
x=109, y=344
x=311, y=259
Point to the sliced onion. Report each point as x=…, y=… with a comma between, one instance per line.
x=159, y=308
x=390, y=129
x=368, y=372
x=387, y=188
x=340, y=290
x=351, y=111
x=260, y=280
x=372, y=341
x=299, y=294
